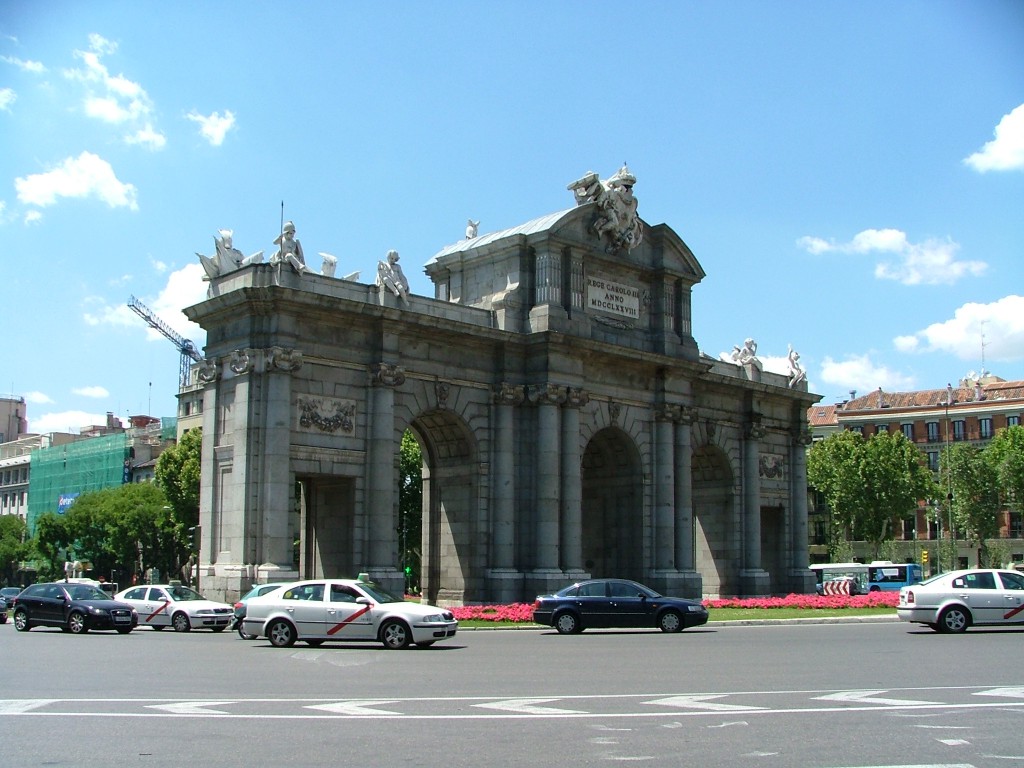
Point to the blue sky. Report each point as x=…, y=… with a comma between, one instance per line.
x=849, y=175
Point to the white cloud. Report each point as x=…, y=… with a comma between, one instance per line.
x=1001, y=323
x=32, y=217
x=213, y=127
x=37, y=398
x=35, y=67
x=85, y=176
x=97, y=392
x=115, y=99
x=184, y=288
x=7, y=97
x=859, y=372
x=931, y=262
x=1006, y=151
x=65, y=421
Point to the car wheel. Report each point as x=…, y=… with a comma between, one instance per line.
x=180, y=622
x=567, y=624
x=281, y=634
x=123, y=630
x=76, y=623
x=395, y=635
x=954, y=619
x=21, y=622
x=670, y=621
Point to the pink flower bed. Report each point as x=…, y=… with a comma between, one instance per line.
x=523, y=612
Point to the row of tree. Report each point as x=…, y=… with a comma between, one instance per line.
x=122, y=531
x=870, y=484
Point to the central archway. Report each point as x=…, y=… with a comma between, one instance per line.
x=612, y=511
x=450, y=488
x=715, y=522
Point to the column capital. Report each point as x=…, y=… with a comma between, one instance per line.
x=281, y=359
x=666, y=412
x=387, y=374
x=546, y=394
x=208, y=370
x=802, y=436
x=576, y=397
x=754, y=430
x=508, y=394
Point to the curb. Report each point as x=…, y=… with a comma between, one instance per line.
x=729, y=623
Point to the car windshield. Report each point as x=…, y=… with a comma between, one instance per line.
x=87, y=592
x=379, y=594
x=180, y=593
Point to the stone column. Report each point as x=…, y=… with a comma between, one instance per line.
x=503, y=485
x=664, y=488
x=571, y=532
x=802, y=580
x=276, y=476
x=547, y=397
x=381, y=504
x=753, y=580
x=684, y=491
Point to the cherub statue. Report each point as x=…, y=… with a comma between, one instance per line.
x=796, y=371
x=472, y=227
x=289, y=249
x=390, y=277
x=747, y=355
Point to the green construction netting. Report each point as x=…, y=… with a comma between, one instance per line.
x=59, y=474
x=168, y=428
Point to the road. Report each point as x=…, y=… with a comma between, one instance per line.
x=777, y=696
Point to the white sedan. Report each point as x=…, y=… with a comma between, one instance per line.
x=951, y=602
x=177, y=606
x=344, y=610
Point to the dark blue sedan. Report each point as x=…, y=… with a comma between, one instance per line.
x=619, y=603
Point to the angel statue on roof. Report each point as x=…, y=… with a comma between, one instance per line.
x=616, y=221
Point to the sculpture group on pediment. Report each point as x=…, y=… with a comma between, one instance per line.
x=617, y=221
x=226, y=258
x=747, y=354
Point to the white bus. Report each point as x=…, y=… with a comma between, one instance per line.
x=841, y=578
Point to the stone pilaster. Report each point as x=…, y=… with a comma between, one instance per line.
x=753, y=580
x=571, y=534
x=381, y=503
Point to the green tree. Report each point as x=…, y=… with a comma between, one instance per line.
x=964, y=472
x=868, y=484
x=1005, y=454
x=178, y=474
x=50, y=544
x=410, y=507
x=12, y=547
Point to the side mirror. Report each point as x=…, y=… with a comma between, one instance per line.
x=364, y=601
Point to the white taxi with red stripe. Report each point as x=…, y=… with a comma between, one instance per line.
x=954, y=601
x=344, y=610
x=177, y=606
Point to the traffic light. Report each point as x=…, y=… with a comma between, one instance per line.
x=924, y=557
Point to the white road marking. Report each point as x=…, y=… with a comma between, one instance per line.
x=19, y=706
x=1016, y=692
x=192, y=707
x=529, y=707
x=701, y=702
x=361, y=707
x=867, y=697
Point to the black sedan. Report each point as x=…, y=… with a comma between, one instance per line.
x=75, y=608
x=616, y=603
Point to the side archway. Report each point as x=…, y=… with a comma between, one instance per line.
x=612, y=511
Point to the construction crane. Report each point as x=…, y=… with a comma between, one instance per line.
x=186, y=347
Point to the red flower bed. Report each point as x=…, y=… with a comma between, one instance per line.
x=523, y=612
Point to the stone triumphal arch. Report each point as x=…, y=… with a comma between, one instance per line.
x=569, y=423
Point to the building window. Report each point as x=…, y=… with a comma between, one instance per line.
x=933, y=431
x=858, y=429
x=1013, y=421
x=908, y=431
x=909, y=528
x=933, y=461
x=959, y=429
x=986, y=428
x=881, y=429
x=1016, y=525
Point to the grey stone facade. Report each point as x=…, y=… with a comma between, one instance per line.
x=569, y=425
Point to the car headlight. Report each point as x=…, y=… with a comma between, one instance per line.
x=434, y=618
x=696, y=608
